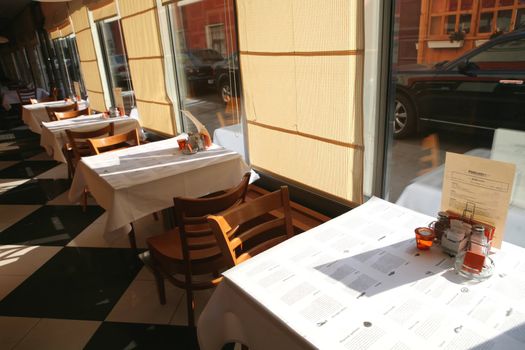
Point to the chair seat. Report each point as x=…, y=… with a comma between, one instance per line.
x=168, y=245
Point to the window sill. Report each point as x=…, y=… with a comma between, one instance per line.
x=444, y=44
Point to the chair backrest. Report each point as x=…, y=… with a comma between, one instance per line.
x=71, y=114
x=25, y=95
x=52, y=109
x=112, y=143
x=78, y=139
x=191, y=216
x=252, y=228
x=44, y=99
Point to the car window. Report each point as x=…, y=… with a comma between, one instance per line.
x=208, y=55
x=509, y=55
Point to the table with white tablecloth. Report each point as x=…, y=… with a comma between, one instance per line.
x=359, y=282
x=34, y=114
x=423, y=194
x=134, y=182
x=10, y=97
x=53, y=136
x=230, y=137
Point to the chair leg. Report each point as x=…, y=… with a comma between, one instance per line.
x=159, y=279
x=155, y=216
x=190, y=306
x=84, y=200
x=132, y=238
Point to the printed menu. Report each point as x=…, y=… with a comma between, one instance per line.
x=482, y=185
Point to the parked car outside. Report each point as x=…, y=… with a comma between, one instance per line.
x=484, y=89
x=197, y=65
x=227, y=78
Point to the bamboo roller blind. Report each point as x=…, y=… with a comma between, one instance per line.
x=146, y=62
x=302, y=66
x=88, y=58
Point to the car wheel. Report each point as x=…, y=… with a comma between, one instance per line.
x=404, y=117
x=225, y=91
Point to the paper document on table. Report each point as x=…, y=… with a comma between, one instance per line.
x=509, y=146
x=484, y=183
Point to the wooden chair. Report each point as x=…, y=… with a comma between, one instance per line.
x=45, y=99
x=190, y=250
x=71, y=114
x=52, y=109
x=112, y=143
x=430, y=143
x=77, y=147
x=25, y=95
x=238, y=245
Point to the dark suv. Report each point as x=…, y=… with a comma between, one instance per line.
x=483, y=89
x=227, y=79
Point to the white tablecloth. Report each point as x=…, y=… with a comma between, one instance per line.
x=230, y=137
x=137, y=181
x=10, y=97
x=53, y=136
x=424, y=196
x=358, y=282
x=33, y=115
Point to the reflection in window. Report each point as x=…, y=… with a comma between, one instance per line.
x=485, y=22
x=69, y=66
x=520, y=19
x=451, y=24
x=488, y=3
x=464, y=23
x=116, y=63
x=503, y=20
x=509, y=55
x=207, y=66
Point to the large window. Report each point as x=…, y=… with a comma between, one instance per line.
x=69, y=65
x=116, y=64
x=204, y=42
x=454, y=105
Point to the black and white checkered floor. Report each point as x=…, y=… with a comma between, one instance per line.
x=64, y=284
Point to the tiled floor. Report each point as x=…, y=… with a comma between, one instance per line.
x=64, y=283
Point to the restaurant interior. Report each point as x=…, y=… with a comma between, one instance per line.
x=246, y=174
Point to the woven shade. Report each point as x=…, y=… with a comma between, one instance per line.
x=146, y=63
x=103, y=9
x=88, y=59
x=302, y=66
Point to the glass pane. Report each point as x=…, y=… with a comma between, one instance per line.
x=488, y=3
x=506, y=2
x=453, y=5
x=464, y=23
x=485, y=22
x=435, y=25
x=438, y=6
x=466, y=4
x=449, y=99
x=116, y=62
x=503, y=21
x=68, y=54
x=520, y=19
x=450, y=25
x=207, y=64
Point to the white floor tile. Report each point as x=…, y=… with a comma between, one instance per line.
x=140, y=304
x=14, y=329
x=201, y=297
x=94, y=236
x=7, y=285
x=145, y=275
x=55, y=334
x=8, y=146
x=18, y=260
x=10, y=214
x=147, y=227
x=8, y=184
x=58, y=172
x=7, y=163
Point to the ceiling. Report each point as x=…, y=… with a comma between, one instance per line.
x=9, y=9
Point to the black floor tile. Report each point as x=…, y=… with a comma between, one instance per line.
x=27, y=169
x=112, y=335
x=77, y=283
x=35, y=191
x=51, y=225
